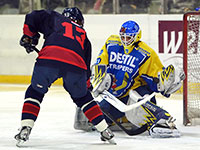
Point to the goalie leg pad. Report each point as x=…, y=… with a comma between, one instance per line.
x=147, y=113
x=154, y=113
x=163, y=126
x=160, y=123
x=112, y=110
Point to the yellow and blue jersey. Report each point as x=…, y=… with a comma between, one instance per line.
x=130, y=70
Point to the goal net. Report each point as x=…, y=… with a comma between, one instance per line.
x=191, y=65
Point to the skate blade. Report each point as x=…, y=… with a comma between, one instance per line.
x=112, y=142
x=20, y=143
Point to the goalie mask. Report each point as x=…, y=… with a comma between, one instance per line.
x=129, y=34
x=74, y=14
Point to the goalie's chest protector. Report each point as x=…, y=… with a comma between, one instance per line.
x=125, y=67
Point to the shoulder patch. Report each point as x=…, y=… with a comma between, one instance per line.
x=114, y=39
x=144, y=48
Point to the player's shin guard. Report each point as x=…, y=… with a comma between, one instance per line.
x=31, y=106
x=81, y=122
x=92, y=111
x=94, y=114
x=30, y=112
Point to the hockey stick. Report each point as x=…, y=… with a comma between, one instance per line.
x=134, y=130
x=35, y=49
x=120, y=105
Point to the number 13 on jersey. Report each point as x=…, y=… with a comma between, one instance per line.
x=69, y=33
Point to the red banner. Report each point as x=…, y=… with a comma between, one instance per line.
x=170, y=37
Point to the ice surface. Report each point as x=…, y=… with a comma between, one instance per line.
x=54, y=130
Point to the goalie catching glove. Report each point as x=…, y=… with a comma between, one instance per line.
x=29, y=43
x=170, y=80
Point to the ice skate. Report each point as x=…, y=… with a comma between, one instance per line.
x=107, y=135
x=23, y=135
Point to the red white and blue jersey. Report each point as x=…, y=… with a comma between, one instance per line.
x=65, y=41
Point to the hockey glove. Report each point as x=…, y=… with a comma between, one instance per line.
x=100, y=79
x=180, y=76
x=105, y=85
x=170, y=80
x=29, y=43
x=166, y=79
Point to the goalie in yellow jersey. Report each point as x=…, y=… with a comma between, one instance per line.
x=127, y=65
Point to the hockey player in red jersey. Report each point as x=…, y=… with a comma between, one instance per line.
x=66, y=54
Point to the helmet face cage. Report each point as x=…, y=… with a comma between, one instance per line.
x=129, y=32
x=74, y=14
x=127, y=39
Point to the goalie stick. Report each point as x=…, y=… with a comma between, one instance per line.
x=134, y=130
x=120, y=105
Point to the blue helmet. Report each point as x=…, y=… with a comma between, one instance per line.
x=197, y=9
x=129, y=34
x=74, y=14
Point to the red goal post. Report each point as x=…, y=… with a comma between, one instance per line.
x=191, y=65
